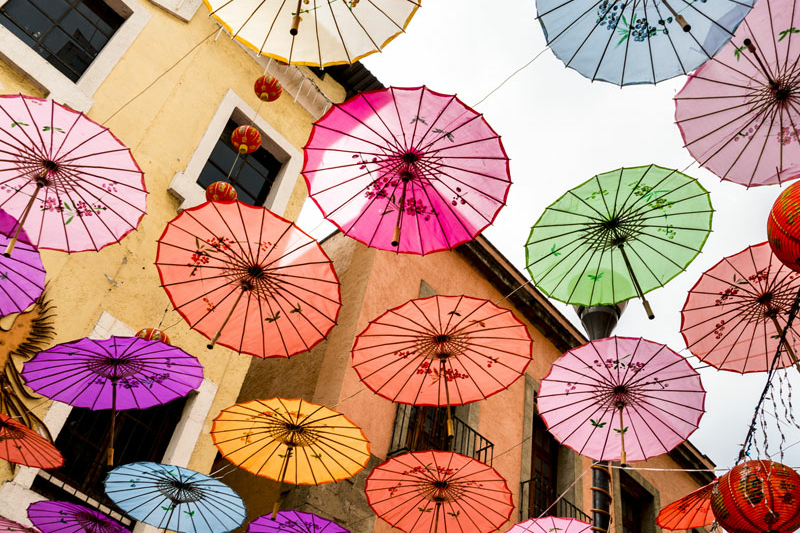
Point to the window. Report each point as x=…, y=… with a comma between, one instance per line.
x=69, y=34
x=252, y=175
x=544, y=461
x=637, y=506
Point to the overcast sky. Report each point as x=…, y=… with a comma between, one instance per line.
x=559, y=130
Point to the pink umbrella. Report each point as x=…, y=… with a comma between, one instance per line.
x=739, y=113
x=736, y=312
x=68, y=180
x=551, y=524
x=407, y=170
x=636, y=389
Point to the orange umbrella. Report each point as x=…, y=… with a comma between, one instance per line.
x=248, y=279
x=23, y=446
x=291, y=441
x=691, y=511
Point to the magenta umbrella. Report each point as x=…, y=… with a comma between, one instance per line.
x=65, y=517
x=406, y=169
x=621, y=398
x=21, y=276
x=294, y=522
x=117, y=373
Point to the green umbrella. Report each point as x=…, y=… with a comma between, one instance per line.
x=618, y=236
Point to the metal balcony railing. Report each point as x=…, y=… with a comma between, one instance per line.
x=419, y=429
x=536, y=499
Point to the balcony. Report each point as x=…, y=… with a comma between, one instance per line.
x=425, y=428
x=536, y=499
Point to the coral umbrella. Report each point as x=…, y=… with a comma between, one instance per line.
x=174, y=498
x=291, y=441
x=14, y=527
x=331, y=33
x=618, y=236
x=739, y=113
x=439, y=491
x=442, y=351
x=117, y=373
x=406, y=169
x=23, y=446
x=294, y=522
x=628, y=43
x=69, y=181
x=248, y=279
x=737, y=311
x=621, y=387
x=21, y=276
x=551, y=524
x=690, y=512
x=66, y=517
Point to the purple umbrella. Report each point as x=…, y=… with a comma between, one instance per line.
x=21, y=276
x=65, y=517
x=117, y=373
x=294, y=522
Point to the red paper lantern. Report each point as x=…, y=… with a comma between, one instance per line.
x=221, y=191
x=268, y=88
x=783, y=227
x=246, y=139
x=758, y=497
x=153, y=334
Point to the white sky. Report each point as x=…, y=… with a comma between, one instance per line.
x=559, y=130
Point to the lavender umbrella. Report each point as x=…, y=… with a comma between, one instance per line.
x=21, y=276
x=294, y=522
x=117, y=373
x=65, y=517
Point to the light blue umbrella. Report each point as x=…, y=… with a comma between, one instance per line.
x=174, y=498
x=638, y=41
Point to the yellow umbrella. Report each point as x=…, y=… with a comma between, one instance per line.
x=291, y=441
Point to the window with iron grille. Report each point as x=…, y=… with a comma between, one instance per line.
x=67, y=33
x=252, y=175
x=637, y=506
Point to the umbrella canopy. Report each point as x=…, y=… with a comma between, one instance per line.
x=406, y=169
x=14, y=527
x=690, y=512
x=735, y=314
x=21, y=276
x=551, y=524
x=739, y=113
x=175, y=498
x=442, y=351
x=619, y=235
x=319, y=34
x=638, y=42
x=294, y=522
x=439, y=491
x=621, y=398
x=23, y=446
x=68, y=180
x=248, y=279
x=66, y=517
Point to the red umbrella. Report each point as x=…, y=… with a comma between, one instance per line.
x=248, y=279
x=735, y=313
x=23, y=446
x=439, y=491
x=442, y=351
x=690, y=512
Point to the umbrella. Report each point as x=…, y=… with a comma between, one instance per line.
x=117, y=373
x=739, y=113
x=175, y=498
x=331, y=33
x=439, y=491
x=640, y=225
x=294, y=522
x=66, y=517
x=737, y=311
x=406, y=169
x=690, y=512
x=89, y=189
x=628, y=42
x=291, y=441
x=633, y=388
x=14, y=527
x=23, y=446
x=551, y=524
x=22, y=276
x=478, y=348
x=245, y=277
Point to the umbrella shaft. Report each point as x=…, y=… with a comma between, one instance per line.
x=645, y=303
x=400, y=208
x=230, y=313
x=113, y=422
x=623, y=458
x=443, y=375
x=296, y=19
x=281, y=477
x=13, y=241
x=436, y=517
x=678, y=17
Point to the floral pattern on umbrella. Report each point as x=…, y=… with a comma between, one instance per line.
x=66, y=517
x=294, y=522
